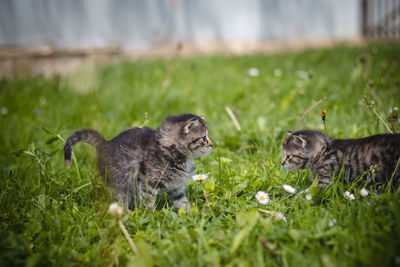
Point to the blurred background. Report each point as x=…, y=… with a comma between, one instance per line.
x=47, y=36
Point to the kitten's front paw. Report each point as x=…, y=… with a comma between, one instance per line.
x=188, y=207
x=183, y=204
x=149, y=204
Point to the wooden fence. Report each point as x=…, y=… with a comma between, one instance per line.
x=381, y=19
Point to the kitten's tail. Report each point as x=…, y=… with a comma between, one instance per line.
x=86, y=135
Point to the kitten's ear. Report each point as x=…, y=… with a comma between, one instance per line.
x=191, y=125
x=201, y=117
x=289, y=133
x=300, y=140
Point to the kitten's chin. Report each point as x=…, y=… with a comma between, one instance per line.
x=202, y=153
x=292, y=168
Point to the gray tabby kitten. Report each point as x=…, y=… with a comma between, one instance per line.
x=141, y=162
x=326, y=156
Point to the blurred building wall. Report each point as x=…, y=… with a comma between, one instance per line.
x=142, y=24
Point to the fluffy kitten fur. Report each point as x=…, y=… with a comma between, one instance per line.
x=326, y=156
x=139, y=163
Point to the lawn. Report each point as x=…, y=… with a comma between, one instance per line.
x=51, y=215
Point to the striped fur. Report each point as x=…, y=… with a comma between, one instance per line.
x=86, y=135
x=326, y=156
x=141, y=162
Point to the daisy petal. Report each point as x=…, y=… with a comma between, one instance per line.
x=288, y=188
x=364, y=192
x=262, y=197
x=199, y=177
x=349, y=195
x=280, y=217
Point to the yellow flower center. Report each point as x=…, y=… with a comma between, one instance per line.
x=200, y=177
x=279, y=218
x=262, y=197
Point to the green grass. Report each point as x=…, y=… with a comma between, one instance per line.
x=51, y=215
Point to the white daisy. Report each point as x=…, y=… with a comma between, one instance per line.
x=115, y=209
x=254, y=72
x=288, y=188
x=199, y=177
x=349, y=195
x=262, y=197
x=280, y=217
x=4, y=110
x=364, y=192
x=308, y=197
x=277, y=72
x=332, y=222
x=302, y=74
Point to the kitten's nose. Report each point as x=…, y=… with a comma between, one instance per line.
x=210, y=144
x=283, y=162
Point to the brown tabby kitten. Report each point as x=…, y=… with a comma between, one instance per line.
x=139, y=163
x=326, y=156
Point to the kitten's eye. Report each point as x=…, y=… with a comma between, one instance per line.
x=204, y=138
x=287, y=157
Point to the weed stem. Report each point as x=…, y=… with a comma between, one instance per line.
x=308, y=110
x=379, y=117
x=128, y=237
x=267, y=212
x=233, y=118
x=208, y=203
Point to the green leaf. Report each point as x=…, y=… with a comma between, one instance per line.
x=241, y=218
x=247, y=217
x=295, y=234
x=194, y=211
x=18, y=152
x=225, y=160
x=181, y=212
x=51, y=140
x=47, y=131
x=314, y=188
x=144, y=258
x=210, y=186
x=237, y=240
